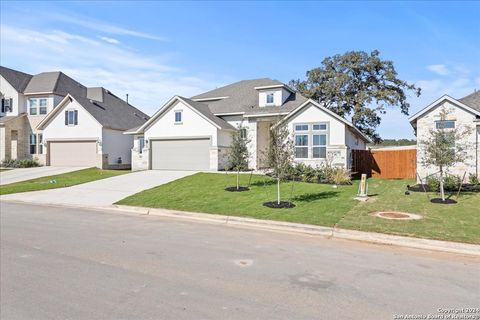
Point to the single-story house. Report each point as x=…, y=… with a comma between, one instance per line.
x=462, y=113
x=195, y=133
x=88, y=131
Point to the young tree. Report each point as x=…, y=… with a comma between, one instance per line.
x=238, y=154
x=350, y=83
x=444, y=146
x=280, y=154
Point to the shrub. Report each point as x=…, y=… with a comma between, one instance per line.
x=24, y=163
x=451, y=182
x=473, y=179
x=341, y=176
x=433, y=183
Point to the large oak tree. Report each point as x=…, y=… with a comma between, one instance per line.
x=359, y=85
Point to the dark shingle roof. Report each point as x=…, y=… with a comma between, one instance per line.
x=55, y=82
x=205, y=110
x=4, y=120
x=472, y=100
x=243, y=97
x=113, y=112
x=17, y=79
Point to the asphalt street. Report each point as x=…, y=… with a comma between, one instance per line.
x=64, y=263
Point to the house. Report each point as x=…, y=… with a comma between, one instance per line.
x=464, y=112
x=195, y=133
x=55, y=119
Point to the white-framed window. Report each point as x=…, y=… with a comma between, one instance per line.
x=71, y=117
x=445, y=124
x=301, y=146
x=270, y=98
x=40, y=143
x=32, y=141
x=319, y=146
x=33, y=106
x=7, y=105
x=319, y=126
x=178, y=116
x=243, y=133
x=141, y=144
x=301, y=127
x=43, y=106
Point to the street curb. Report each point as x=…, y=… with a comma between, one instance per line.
x=328, y=232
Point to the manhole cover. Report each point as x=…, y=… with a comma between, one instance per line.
x=396, y=215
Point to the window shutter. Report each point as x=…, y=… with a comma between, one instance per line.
x=66, y=118
x=75, y=121
x=3, y=108
x=10, y=105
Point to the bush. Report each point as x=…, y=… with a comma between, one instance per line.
x=473, y=179
x=433, y=183
x=24, y=163
x=327, y=174
x=451, y=183
x=341, y=176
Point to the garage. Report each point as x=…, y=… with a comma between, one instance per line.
x=181, y=154
x=73, y=153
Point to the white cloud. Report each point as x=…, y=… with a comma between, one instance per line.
x=439, y=69
x=109, y=40
x=149, y=80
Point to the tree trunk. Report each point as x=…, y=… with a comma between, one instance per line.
x=278, y=191
x=238, y=178
x=442, y=192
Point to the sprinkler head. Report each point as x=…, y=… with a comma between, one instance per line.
x=407, y=193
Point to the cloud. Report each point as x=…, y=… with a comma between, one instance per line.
x=439, y=69
x=149, y=80
x=109, y=40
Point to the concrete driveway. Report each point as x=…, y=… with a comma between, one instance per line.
x=22, y=174
x=101, y=192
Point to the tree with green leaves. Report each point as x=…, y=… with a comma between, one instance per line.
x=238, y=153
x=444, y=146
x=359, y=85
x=280, y=154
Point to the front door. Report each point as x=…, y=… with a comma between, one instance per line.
x=14, y=144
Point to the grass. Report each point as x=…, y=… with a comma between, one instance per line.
x=61, y=180
x=320, y=205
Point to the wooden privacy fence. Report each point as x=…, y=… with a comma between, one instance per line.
x=387, y=164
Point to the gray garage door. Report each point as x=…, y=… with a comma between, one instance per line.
x=192, y=154
x=73, y=153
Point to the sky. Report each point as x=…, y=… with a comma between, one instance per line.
x=154, y=50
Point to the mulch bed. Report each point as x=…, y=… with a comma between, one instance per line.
x=465, y=188
x=234, y=189
x=276, y=205
x=439, y=201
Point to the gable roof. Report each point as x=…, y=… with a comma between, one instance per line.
x=55, y=82
x=201, y=108
x=111, y=113
x=242, y=97
x=472, y=98
x=17, y=79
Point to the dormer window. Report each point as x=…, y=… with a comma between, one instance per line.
x=270, y=97
x=178, y=117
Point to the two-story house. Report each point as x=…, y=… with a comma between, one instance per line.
x=91, y=129
x=195, y=133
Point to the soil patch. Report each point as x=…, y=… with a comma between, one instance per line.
x=234, y=189
x=396, y=215
x=281, y=205
x=439, y=201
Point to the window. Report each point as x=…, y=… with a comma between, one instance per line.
x=269, y=98
x=40, y=143
x=301, y=127
x=319, y=146
x=141, y=144
x=243, y=133
x=32, y=106
x=178, y=116
x=319, y=126
x=301, y=146
x=445, y=124
x=43, y=106
x=33, y=143
x=6, y=105
x=71, y=117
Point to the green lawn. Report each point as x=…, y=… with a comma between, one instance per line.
x=320, y=205
x=61, y=180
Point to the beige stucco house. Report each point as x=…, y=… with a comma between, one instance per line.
x=462, y=113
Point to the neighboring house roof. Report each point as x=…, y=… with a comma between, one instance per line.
x=112, y=113
x=17, y=79
x=472, y=100
x=242, y=97
x=55, y=82
x=469, y=103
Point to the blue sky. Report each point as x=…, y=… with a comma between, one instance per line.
x=153, y=50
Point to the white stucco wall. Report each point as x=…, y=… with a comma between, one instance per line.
x=353, y=141
x=18, y=99
x=463, y=118
x=277, y=97
x=116, y=144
